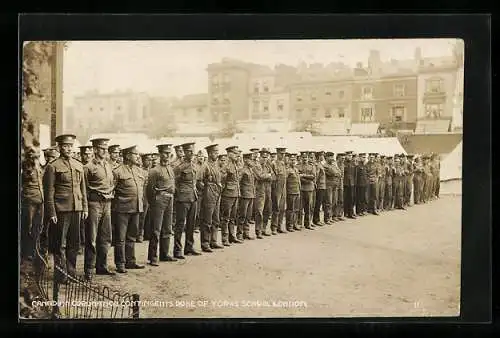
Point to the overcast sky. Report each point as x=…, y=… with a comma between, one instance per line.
x=176, y=68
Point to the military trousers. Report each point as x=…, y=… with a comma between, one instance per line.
x=97, y=235
x=278, y=197
x=244, y=212
x=320, y=203
x=339, y=208
x=161, y=209
x=126, y=232
x=416, y=189
x=306, y=202
x=292, y=207
x=31, y=228
x=331, y=200
x=398, y=192
x=210, y=221
x=437, y=184
x=228, y=211
x=372, y=197
x=64, y=242
x=361, y=198
x=381, y=195
x=263, y=208
x=408, y=189
x=144, y=219
x=185, y=213
x=388, y=199
x=199, y=206
x=349, y=200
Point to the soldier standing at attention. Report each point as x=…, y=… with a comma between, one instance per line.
x=417, y=181
x=292, y=194
x=185, y=203
x=32, y=205
x=263, y=178
x=278, y=192
x=179, y=155
x=128, y=204
x=372, y=172
x=199, y=162
x=247, y=193
x=332, y=179
x=320, y=201
x=212, y=188
x=65, y=196
x=429, y=178
x=255, y=155
x=144, y=218
x=409, y=179
x=86, y=154
x=160, y=194
x=230, y=194
x=311, y=159
x=436, y=168
x=307, y=174
x=381, y=190
x=339, y=208
x=388, y=183
x=398, y=182
x=114, y=155
x=222, y=161
x=362, y=185
x=349, y=180
x=100, y=191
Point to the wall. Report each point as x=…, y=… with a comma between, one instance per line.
x=446, y=98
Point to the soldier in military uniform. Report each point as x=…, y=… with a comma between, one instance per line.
x=100, y=191
x=144, y=230
x=292, y=194
x=409, y=179
x=381, y=183
x=199, y=163
x=222, y=161
x=307, y=174
x=398, y=182
x=128, y=204
x=372, y=173
x=332, y=183
x=263, y=177
x=428, y=178
x=417, y=181
x=160, y=195
x=339, y=208
x=179, y=155
x=185, y=203
x=65, y=196
x=436, y=168
x=247, y=193
x=320, y=200
x=278, y=192
x=349, y=185
x=388, y=195
x=211, y=179
x=255, y=155
x=114, y=155
x=311, y=158
x=230, y=195
x=361, y=185
x=31, y=205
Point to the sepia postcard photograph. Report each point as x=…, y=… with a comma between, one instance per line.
x=241, y=178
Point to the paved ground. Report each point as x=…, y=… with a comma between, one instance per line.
x=401, y=263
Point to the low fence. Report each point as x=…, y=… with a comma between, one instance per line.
x=72, y=297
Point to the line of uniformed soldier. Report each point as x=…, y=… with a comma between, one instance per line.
x=117, y=197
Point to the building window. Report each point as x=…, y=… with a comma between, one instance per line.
x=434, y=111
x=200, y=113
x=199, y=109
x=226, y=99
x=215, y=101
x=298, y=96
x=399, y=90
x=328, y=113
x=328, y=92
x=101, y=109
x=366, y=114
x=313, y=96
x=215, y=116
x=118, y=108
x=367, y=93
x=280, y=105
x=256, y=87
x=265, y=107
x=341, y=94
x=314, y=112
x=215, y=80
x=434, y=85
x=341, y=113
x=265, y=87
x=298, y=113
x=255, y=106
x=398, y=113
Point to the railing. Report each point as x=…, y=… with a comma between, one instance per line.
x=72, y=297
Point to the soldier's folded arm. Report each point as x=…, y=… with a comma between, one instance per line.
x=85, y=206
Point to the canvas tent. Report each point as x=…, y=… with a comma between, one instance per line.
x=451, y=166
